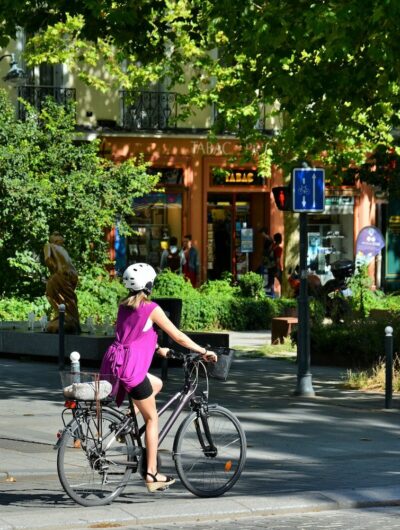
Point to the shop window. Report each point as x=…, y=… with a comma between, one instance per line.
x=158, y=216
x=330, y=238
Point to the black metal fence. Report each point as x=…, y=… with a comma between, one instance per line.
x=148, y=110
x=36, y=96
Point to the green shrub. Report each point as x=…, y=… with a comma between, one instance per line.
x=251, y=285
x=17, y=309
x=356, y=344
x=99, y=295
x=390, y=303
x=201, y=308
x=362, y=298
x=219, y=305
x=250, y=314
x=215, y=305
x=222, y=288
x=170, y=284
x=284, y=305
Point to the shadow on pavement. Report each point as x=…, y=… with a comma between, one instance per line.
x=336, y=440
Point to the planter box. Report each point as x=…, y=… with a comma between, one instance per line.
x=41, y=344
x=383, y=314
x=90, y=346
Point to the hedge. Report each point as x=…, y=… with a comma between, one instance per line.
x=215, y=305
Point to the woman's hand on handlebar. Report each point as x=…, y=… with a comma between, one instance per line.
x=163, y=352
x=209, y=356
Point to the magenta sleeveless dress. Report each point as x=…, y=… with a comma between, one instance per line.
x=129, y=357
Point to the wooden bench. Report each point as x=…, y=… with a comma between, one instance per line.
x=281, y=328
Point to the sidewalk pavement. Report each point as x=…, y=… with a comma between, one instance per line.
x=340, y=449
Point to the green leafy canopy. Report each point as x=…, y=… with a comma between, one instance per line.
x=327, y=70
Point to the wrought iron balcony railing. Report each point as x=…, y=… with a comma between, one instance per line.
x=36, y=95
x=146, y=110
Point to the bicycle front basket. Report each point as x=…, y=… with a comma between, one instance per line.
x=220, y=369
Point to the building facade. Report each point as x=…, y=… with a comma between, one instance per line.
x=202, y=191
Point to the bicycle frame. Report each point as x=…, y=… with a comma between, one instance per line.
x=182, y=397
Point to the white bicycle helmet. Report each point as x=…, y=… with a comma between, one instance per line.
x=139, y=277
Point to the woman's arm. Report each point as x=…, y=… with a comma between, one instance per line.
x=160, y=318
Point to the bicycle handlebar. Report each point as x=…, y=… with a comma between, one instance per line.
x=178, y=355
x=195, y=356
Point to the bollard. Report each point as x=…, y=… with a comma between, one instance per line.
x=75, y=367
x=61, y=345
x=389, y=367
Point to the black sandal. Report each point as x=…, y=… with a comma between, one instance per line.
x=158, y=484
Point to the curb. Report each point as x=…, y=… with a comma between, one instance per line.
x=193, y=510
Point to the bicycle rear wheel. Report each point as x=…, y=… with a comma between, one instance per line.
x=95, y=471
x=210, y=463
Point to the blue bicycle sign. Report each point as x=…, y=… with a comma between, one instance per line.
x=308, y=185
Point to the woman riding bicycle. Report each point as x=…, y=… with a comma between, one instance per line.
x=130, y=355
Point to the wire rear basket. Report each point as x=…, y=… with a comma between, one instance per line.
x=86, y=386
x=220, y=369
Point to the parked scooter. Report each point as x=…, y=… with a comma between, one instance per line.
x=313, y=282
x=342, y=271
x=334, y=293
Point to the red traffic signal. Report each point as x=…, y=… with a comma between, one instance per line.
x=283, y=198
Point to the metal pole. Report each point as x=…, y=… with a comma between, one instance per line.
x=389, y=367
x=304, y=379
x=61, y=343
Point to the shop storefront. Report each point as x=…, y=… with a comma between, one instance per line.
x=239, y=204
x=223, y=205
x=235, y=212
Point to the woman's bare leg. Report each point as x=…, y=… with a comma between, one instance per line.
x=147, y=408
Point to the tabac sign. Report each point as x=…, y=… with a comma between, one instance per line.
x=222, y=176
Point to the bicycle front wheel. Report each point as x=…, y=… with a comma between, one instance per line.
x=93, y=463
x=210, y=452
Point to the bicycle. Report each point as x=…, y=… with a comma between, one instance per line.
x=100, y=448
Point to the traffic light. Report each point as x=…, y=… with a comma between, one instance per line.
x=283, y=198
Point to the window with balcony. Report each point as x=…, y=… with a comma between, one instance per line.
x=44, y=81
x=149, y=110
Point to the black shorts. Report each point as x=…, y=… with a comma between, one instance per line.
x=142, y=391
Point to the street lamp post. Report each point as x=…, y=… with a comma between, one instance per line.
x=15, y=75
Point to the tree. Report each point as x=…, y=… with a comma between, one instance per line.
x=51, y=182
x=328, y=70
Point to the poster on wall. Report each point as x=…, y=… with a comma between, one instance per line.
x=369, y=243
x=246, y=240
